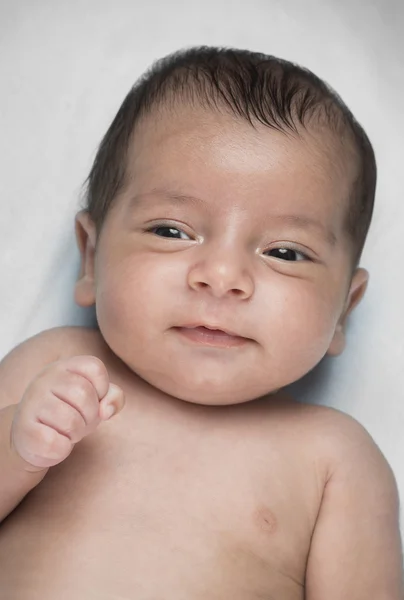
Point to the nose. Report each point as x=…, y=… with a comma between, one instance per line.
x=222, y=273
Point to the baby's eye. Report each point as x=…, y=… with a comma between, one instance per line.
x=169, y=232
x=286, y=254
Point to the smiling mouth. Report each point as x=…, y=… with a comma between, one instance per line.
x=206, y=336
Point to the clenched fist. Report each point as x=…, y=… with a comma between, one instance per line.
x=64, y=403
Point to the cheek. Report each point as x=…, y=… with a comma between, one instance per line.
x=136, y=290
x=304, y=316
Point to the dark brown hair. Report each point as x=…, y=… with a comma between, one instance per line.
x=254, y=86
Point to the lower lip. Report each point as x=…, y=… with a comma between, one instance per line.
x=211, y=337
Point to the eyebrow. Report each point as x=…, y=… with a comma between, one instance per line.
x=300, y=221
x=170, y=195
x=304, y=222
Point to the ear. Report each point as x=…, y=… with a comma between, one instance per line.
x=84, y=293
x=356, y=292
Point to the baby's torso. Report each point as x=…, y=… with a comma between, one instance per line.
x=172, y=501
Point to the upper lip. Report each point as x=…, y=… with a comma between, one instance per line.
x=212, y=327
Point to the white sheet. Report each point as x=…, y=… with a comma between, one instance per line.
x=66, y=67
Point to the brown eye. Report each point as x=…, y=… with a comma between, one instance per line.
x=286, y=254
x=169, y=232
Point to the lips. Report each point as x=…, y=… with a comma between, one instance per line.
x=212, y=329
x=211, y=336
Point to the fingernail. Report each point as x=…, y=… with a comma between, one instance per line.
x=114, y=390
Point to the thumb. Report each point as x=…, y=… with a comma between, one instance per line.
x=112, y=403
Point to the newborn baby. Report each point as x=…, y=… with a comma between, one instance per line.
x=225, y=217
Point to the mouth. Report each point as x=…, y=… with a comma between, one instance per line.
x=211, y=336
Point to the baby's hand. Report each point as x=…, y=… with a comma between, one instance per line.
x=64, y=403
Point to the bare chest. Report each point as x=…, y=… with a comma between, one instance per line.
x=163, y=512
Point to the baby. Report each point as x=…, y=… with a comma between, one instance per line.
x=226, y=212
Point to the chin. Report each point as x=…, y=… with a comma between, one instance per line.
x=211, y=395
x=212, y=400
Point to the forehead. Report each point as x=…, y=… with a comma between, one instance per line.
x=229, y=162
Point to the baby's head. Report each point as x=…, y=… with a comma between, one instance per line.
x=233, y=191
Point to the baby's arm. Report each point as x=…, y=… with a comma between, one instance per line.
x=356, y=547
x=17, y=369
x=47, y=404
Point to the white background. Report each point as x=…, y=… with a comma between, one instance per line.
x=65, y=67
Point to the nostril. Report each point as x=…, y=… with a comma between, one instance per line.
x=238, y=292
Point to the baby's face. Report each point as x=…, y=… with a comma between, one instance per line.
x=225, y=227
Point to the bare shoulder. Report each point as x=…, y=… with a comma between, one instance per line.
x=333, y=439
x=32, y=355
x=359, y=513
x=345, y=443
x=80, y=340
x=324, y=424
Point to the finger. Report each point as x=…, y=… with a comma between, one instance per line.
x=79, y=393
x=62, y=417
x=112, y=403
x=93, y=369
x=42, y=446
